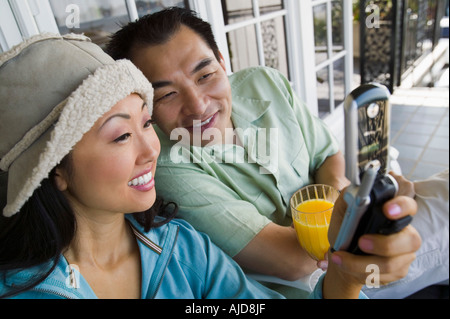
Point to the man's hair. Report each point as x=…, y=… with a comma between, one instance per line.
x=156, y=29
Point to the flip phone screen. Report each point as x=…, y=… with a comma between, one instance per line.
x=373, y=134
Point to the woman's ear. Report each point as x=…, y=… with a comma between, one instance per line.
x=60, y=179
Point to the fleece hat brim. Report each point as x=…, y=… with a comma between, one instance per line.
x=67, y=85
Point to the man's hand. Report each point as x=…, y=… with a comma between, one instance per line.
x=392, y=254
x=332, y=172
x=275, y=251
x=405, y=187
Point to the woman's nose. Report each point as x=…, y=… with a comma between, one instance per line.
x=148, y=148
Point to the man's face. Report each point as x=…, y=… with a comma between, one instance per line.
x=192, y=90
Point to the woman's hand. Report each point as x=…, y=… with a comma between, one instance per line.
x=391, y=255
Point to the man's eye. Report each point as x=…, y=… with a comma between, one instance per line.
x=206, y=76
x=165, y=96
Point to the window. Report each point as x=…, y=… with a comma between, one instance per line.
x=330, y=54
x=20, y=19
x=98, y=19
x=309, y=41
x=150, y=6
x=255, y=31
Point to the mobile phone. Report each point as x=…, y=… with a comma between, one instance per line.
x=367, y=119
x=364, y=213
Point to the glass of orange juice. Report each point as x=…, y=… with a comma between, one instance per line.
x=311, y=208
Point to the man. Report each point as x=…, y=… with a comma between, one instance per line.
x=232, y=182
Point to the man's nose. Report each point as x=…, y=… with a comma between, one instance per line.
x=195, y=102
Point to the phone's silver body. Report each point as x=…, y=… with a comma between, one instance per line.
x=367, y=121
x=367, y=116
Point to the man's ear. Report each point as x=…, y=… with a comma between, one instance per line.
x=60, y=179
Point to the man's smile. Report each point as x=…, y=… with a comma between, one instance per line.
x=203, y=125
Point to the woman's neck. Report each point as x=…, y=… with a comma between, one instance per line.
x=102, y=240
x=107, y=256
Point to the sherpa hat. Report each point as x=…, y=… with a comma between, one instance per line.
x=53, y=89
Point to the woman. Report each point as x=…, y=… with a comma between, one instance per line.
x=80, y=164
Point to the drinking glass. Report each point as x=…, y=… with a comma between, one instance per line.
x=311, y=209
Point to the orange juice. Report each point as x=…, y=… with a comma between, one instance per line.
x=311, y=223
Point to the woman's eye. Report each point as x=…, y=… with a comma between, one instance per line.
x=122, y=138
x=149, y=123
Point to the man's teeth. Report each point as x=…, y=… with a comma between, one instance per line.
x=200, y=124
x=141, y=180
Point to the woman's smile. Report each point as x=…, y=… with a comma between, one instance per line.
x=144, y=182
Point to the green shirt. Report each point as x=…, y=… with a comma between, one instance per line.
x=232, y=192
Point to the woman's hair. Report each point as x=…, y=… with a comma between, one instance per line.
x=158, y=28
x=46, y=225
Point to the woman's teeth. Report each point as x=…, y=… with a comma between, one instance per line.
x=141, y=180
x=198, y=124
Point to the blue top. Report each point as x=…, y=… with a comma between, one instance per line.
x=177, y=262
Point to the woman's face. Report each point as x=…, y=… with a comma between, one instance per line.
x=114, y=163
